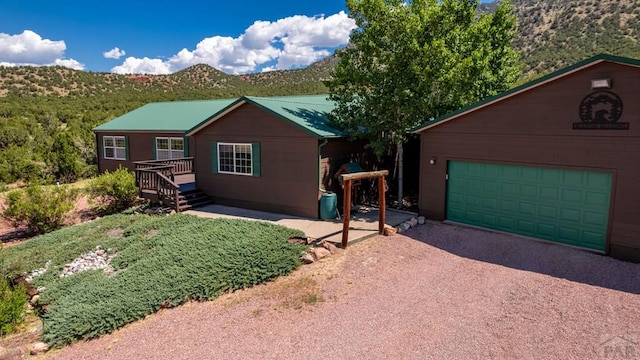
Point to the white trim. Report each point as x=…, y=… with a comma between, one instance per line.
x=115, y=148
x=234, y=158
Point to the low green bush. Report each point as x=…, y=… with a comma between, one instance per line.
x=12, y=306
x=160, y=261
x=40, y=208
x=114, y=191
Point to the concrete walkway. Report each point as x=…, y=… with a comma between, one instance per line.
x=363, y=223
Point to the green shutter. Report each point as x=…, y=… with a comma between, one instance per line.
x=185, y=146
x=100, y=147
x=126, y=148
x=255, y=159
x=214, y=157
x=153, y=148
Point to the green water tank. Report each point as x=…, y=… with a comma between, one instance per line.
x=328, y=206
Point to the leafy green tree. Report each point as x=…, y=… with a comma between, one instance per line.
x=412, y=61
x=65, y=158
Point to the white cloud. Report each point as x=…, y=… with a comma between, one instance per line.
x=145, y=65
x=29, y=48
x=114, y=53
x=69, y=63
x=291, y=42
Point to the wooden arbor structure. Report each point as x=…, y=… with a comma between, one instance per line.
x=346, y=180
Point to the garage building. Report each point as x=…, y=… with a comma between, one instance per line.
x=556, y=159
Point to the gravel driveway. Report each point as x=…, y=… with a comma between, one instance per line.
x=439, y=291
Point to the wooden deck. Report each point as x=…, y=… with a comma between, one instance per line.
x=185, y=179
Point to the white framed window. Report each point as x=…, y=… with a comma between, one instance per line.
x=115, y=147
x=235, y=158
x=169, y=148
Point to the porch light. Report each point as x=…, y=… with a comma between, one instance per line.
x=601, y=84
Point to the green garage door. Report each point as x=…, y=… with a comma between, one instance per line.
x=565, y=206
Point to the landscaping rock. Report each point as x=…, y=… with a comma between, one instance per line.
x=329, y=246
x=413, y=222
x=421, y=220
x=34, y=299
x=320, y=253
x=389, y=231
x=307, y=258
x=39, y=348
x=93, y=260
x=405, y=226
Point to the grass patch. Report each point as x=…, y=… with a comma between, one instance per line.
x=161, y=261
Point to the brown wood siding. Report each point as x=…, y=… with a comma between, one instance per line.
x=535, y=128
x=140, y=148
x=288, y=160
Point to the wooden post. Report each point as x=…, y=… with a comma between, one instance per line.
x=347, y=213
x=346, y=181
x=381, y=204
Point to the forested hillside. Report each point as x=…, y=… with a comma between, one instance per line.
x=40, y=106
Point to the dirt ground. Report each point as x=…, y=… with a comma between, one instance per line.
x=436, y=292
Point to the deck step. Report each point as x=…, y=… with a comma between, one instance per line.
x=192, y=199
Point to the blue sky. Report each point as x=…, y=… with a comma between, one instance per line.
x=166, y=36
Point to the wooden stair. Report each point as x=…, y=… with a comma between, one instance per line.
x=192, y=199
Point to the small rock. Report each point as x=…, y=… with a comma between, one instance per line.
x=413, y=222
x=399, y=229
x=389, y=231
x=39, y=348
x=421, y=220
x=329, y=246
x=405, y=226
x=321, y=253
x=172, y=212
x=307, y=258
x=34, y=299
x=149, y=211
x=100, y=252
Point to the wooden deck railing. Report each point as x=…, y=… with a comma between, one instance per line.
x=180, y=165
x=159, y=176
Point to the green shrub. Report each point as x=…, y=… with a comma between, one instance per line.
x=41, y=209
x=114, y=191
x=12, y=305
x=160, y=261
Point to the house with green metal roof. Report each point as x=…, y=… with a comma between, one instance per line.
x=277, y=154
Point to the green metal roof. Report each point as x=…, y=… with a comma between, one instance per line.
x=178, y=116
x=311, y=112
x=528, y=86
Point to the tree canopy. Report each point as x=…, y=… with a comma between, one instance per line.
x=411, y=61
